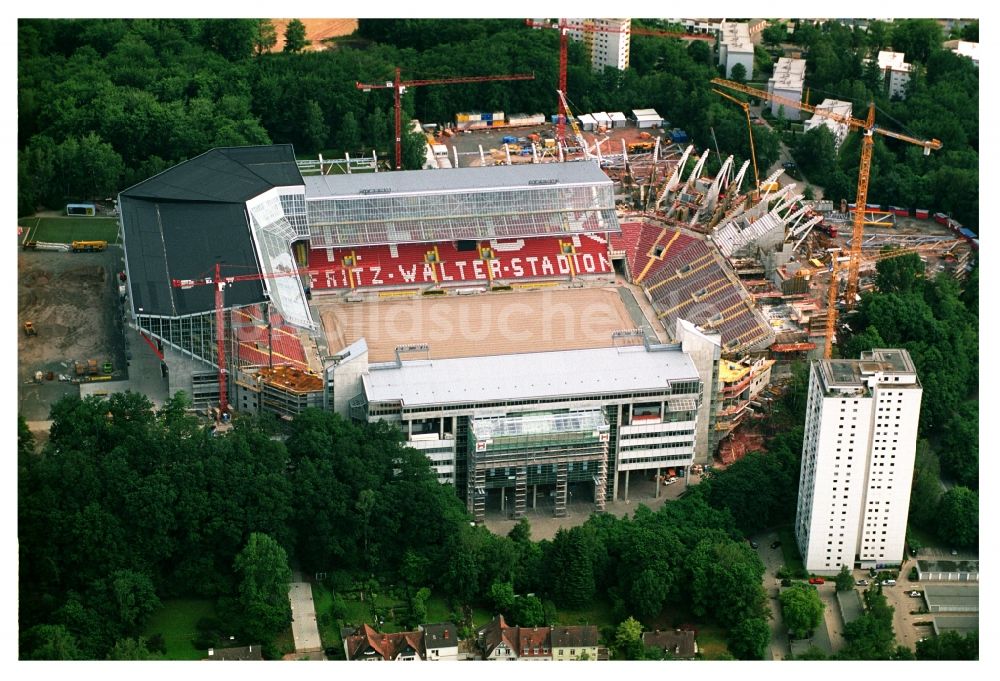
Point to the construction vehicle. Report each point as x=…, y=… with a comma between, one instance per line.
x=399, y=86
x=88, y=246
x=29, y=329
x=640, y=146
x=868, y=128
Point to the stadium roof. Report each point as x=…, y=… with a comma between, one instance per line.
x=179, y=223
x=527, y=376
x=456, y=179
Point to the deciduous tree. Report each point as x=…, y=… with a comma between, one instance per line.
x=264, y=579
x=801, y=609
x=295, y=36
x=749, y=639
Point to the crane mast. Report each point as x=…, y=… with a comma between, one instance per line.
x=399, y=86
x=868, y=130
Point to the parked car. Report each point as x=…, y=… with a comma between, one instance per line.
x=753, y=544
x=862, y=582
x=916, y=594
x=775, y=544
x=788, y=165
x=888, y=582
x=817, y=580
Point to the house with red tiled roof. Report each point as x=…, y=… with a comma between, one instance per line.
x=499, y=641
x=366, y=644
x=533, y=643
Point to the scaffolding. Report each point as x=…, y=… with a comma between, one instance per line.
x=550, y=448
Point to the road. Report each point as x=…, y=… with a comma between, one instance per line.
x=305, y=631
x=773, y=560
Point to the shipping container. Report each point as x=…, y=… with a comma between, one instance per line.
x=967, y=233
x=941, y=218
x=922, y=213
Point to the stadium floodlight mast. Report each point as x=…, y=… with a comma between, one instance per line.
x=399, y=86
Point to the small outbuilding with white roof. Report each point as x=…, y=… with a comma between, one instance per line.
x=647, y=118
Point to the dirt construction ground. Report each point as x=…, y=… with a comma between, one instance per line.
x=484, y=324
x=72, y=300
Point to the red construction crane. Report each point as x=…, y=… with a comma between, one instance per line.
x=220, y=283
x=563, y=27
x=399, y=87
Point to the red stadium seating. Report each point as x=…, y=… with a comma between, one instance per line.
x=688, y=281
x=250, y=330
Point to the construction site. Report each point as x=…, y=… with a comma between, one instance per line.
x=70, y=326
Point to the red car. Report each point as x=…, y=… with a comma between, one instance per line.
x=817, y=580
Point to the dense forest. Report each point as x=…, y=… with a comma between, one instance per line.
x=104, y=104
x=125, y=506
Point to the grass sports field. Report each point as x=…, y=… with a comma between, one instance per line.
x=63, y=230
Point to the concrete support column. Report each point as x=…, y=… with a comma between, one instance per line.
x=534, y=497
x=626, y=484
x=656, y=495
x=503, y=498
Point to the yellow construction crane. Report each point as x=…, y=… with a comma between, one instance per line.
x=576, y=128
x=869, y=129
x=836, y=267
x=753, y=153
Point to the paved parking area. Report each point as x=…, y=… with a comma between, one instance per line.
x=545, y=526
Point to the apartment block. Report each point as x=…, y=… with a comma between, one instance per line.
x=857, y=461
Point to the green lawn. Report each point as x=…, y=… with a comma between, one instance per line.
x=177, y=621
x=598, y=613
x=712, y=642
x=329, y=629
x=66, y=229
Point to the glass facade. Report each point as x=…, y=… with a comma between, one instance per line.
x=294, y=207
x=471, y=214
x=273, y=236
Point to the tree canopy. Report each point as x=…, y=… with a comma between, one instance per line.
x=801, y=609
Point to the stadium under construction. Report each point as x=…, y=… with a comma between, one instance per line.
x=525, y=326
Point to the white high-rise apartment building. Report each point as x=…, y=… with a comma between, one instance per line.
x=857, y=461
x=608, y=40
x=895, y=72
